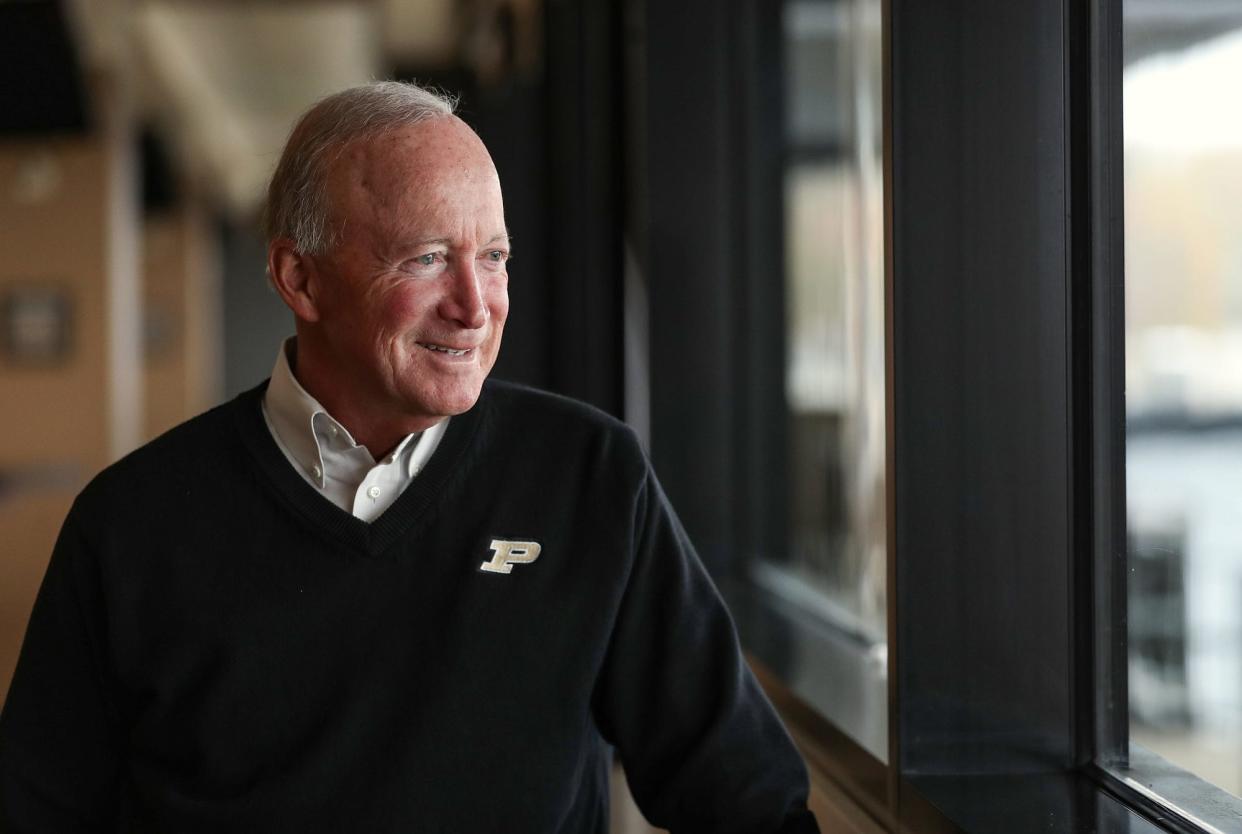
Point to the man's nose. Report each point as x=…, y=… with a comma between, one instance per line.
x=464, y=301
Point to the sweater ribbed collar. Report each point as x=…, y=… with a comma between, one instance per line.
x=443, y=473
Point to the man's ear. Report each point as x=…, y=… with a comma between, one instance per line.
x=295, y=278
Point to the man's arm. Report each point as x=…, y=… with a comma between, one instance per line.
x=702, y=747
x=59, y=742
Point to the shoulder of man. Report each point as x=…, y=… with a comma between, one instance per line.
x=190, y=451
x=546, y=430
x=523, y=403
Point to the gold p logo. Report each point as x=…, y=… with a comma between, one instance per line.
x=506, y=554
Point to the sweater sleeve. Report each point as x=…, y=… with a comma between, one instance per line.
x=59, y=745
x=702, y=747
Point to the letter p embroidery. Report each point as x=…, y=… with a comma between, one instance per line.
x=506, y=554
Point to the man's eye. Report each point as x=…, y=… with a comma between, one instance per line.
x=498, y=255
x=426, y=260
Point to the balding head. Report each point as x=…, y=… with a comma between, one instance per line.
x=298, y=204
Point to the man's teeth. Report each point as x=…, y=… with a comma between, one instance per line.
x=449, y=351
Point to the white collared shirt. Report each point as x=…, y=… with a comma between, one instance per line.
x=325, y=454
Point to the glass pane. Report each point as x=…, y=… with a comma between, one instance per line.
x=834, y=568
x=1183, y=229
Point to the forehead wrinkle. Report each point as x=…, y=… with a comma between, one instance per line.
x=402, y=180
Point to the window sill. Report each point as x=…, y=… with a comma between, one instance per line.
x=1168, y=791
x=864, y=792
x=1052, y=803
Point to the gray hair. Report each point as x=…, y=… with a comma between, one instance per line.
x=297, y=199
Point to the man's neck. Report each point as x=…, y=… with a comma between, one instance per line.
x=369, y=426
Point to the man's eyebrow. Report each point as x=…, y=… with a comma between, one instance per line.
x=444, y=241
x=505, y=236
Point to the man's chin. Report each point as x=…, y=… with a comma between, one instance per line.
x=448, y=403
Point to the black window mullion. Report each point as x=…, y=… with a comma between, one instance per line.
x=1107, y=697
x=982, y=387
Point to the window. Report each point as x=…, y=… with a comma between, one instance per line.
x=834, y=377
x=830, y=568
x=1183, y=411
x=1016, y=636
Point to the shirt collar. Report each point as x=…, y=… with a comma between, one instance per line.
x=292, y=414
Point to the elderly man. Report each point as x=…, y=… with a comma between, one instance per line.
x=378, y=593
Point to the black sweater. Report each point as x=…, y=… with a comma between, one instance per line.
x=217, y=648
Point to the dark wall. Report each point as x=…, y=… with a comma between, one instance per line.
x=690, y=269
x=706, y=192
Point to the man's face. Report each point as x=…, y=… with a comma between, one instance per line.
x=412, y=301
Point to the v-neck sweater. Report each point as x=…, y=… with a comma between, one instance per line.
x=249, y=657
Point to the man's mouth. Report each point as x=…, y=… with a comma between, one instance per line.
x=444, y=349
